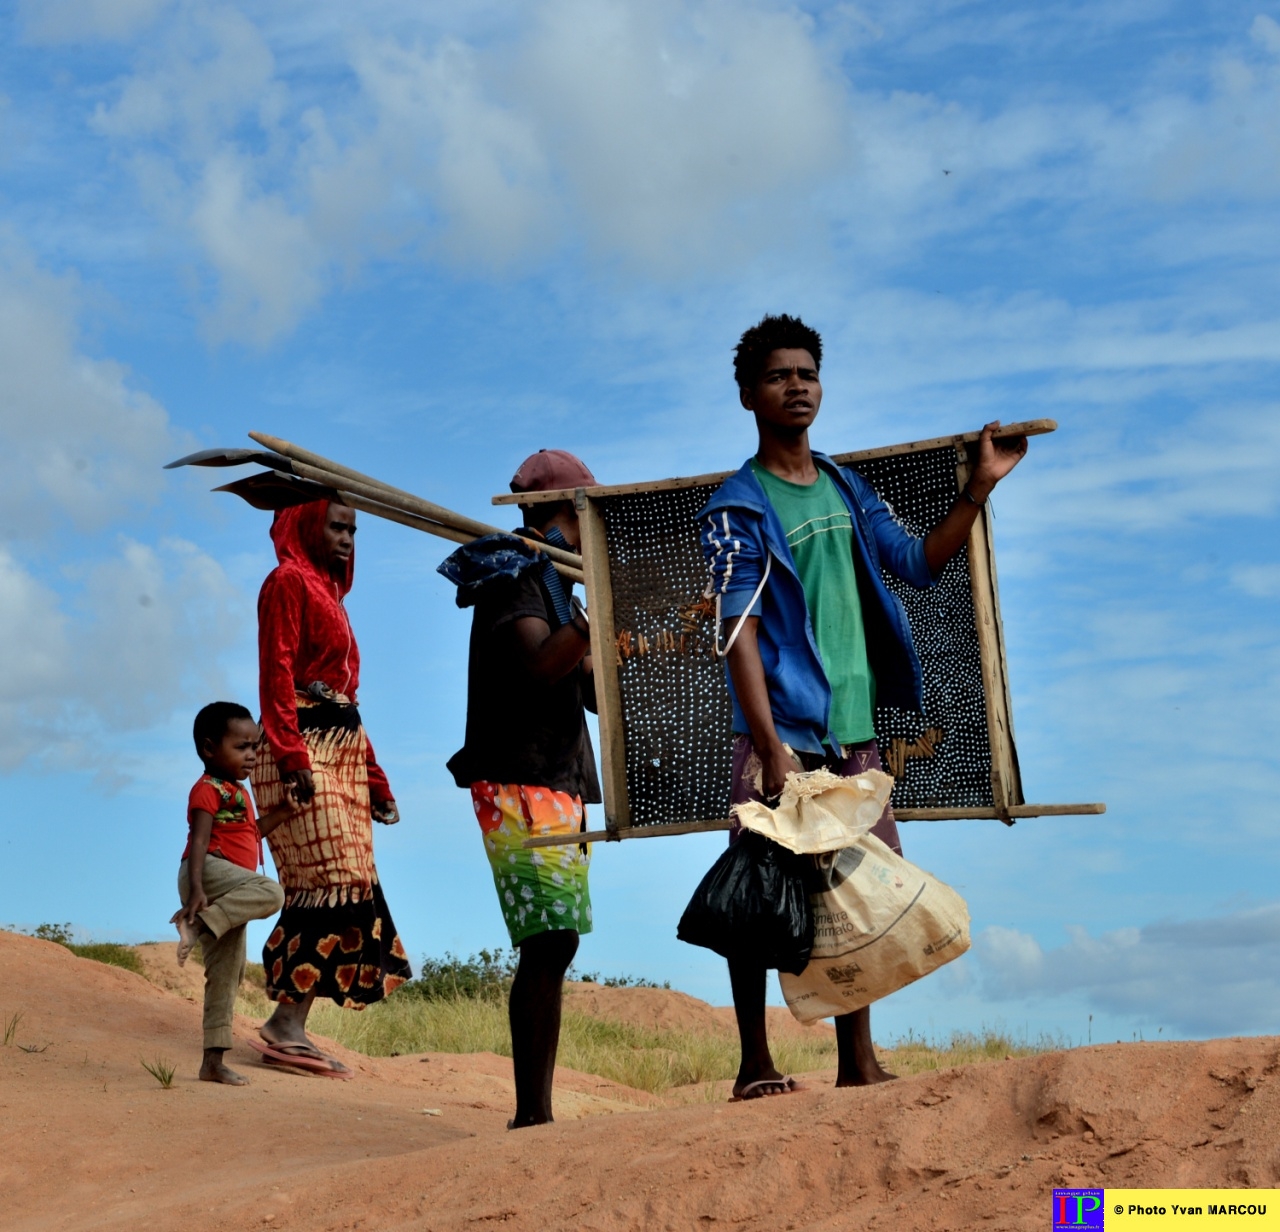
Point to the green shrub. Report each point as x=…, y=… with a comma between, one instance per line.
x=59, y=934
x=108, y=952
x=485, y=976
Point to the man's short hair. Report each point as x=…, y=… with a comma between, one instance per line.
x=772, y=334
x=212, y=722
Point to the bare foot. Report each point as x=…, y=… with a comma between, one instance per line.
x=865, y=1076
x=188, y=935
x=213, y=1070
x=858, y=1064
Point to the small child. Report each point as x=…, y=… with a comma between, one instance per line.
x=220, y=888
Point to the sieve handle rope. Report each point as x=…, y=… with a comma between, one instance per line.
x=733, y=637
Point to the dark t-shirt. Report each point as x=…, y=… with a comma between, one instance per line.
x=519, y=729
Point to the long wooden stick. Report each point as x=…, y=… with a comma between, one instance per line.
x=1030, y=427
x=313, y=466
x=906, y=814
x=392, y=514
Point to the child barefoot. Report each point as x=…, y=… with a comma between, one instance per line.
x=220, y=889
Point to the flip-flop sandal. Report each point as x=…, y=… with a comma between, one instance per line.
x=278, y=1055
x=305, y=1071
x=756, y=1090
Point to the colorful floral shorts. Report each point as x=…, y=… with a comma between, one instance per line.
x=541, y=889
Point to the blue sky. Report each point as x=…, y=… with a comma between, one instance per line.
x=428, y=239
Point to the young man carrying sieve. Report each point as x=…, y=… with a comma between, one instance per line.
x=528, y=760
x=795, y=546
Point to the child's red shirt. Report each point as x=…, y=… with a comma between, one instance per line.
x=235, y=825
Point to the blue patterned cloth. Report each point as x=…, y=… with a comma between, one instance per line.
x=493, y=558
x=553, y=581
x=486, y=560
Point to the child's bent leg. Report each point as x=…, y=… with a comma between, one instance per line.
x=236, y=896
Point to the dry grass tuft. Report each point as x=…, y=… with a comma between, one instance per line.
x=645, y=1059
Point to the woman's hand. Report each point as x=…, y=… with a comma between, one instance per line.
x=304, y=786
x=386, y=812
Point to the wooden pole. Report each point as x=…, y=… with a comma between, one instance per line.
x=923, y=814
x=1006, y=784
x=1030, y=427
x=320, y=469
x=392, y=514
x=604, y=665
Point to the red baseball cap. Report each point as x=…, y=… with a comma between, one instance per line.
x=552, y=469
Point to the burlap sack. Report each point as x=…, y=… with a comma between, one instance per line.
x=879, y=924
x=820, y=811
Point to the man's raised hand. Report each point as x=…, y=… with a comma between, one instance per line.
x=996, y=458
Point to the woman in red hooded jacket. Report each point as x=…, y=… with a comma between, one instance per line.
x=335, y=937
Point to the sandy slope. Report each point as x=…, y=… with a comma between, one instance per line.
x=89, y=1140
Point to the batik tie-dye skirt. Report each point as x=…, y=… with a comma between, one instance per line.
x=335, y=936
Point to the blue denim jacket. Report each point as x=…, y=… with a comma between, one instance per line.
x=740, y=531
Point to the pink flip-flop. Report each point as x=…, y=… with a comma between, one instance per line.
x=276, y=1056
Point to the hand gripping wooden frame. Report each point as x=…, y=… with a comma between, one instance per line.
x=664, y=711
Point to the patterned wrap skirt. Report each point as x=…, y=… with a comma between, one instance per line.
x=540, y=889
x=335, y=936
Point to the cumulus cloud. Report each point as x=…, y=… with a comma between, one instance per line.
x=73, y=21
x=113, y=636
x=687, y=131
x=139, y=635
x=660, y=135
x=1260, y=581
x=1212, y=976
x=79, y=443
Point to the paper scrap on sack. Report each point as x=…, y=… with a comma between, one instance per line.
x=880, y=922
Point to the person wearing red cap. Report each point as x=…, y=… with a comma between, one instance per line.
x=527, y=759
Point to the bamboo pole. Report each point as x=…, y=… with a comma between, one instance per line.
x=392, y=514
x=604, y=655
x=1030, y=427
x=319, y=469
x=661, y=830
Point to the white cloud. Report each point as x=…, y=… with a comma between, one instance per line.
x=212, y=71
x=103, y=642
x=663, y=136
x=78, y=443
x=269, y=266
x=73, y=21
x=140, y=635
x=688, y=132
x=1260, y=581
x=1204, y=977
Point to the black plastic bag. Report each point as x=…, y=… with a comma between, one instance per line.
x=753, y=904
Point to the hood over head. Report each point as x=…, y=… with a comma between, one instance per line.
x=298, y=533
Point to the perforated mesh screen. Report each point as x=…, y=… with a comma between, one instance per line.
x=675, y=704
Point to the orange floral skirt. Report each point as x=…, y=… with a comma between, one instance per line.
x=349, y=953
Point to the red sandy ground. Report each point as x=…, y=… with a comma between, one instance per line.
x=88, y=1140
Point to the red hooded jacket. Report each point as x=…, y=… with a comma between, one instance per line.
x=304, y=636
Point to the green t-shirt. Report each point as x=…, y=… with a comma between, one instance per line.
x=820, y=535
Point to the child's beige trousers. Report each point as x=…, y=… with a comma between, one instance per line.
x=236, y=896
